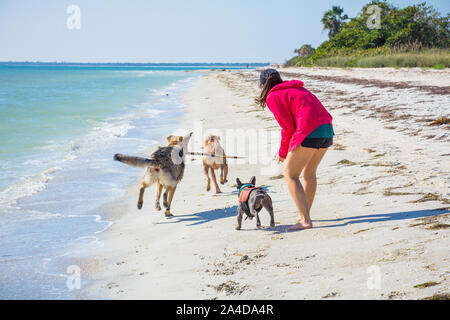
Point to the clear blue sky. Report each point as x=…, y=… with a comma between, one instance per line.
x=168, y=30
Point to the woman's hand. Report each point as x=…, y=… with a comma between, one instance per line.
x=280, y=159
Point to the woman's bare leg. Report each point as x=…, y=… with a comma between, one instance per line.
x=295, y=162
x=310, y=177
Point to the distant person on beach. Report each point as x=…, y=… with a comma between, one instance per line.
x=306, y=134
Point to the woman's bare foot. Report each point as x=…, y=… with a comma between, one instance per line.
x=300, y=226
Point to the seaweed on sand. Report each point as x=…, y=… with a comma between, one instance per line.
x=426, y=285
x=440, y=121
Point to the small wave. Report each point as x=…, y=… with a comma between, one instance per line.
x=101, y=134
x=173, y=87
x=109, y=131
x=26, y=187
x=82, y=247
x=39, y=215
x=161, y=93
x=138, y=73
x=144, y=73
x=33, y=162
x=153, y=113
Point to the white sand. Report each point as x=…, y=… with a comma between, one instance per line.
x=415, y=76
x=358, y=227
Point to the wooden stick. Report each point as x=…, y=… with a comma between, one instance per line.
x=213, y=156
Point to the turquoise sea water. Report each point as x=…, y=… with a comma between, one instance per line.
x=44, y=108
x=59, y=127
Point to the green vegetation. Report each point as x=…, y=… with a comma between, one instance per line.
x=415, y=36
x=333, y=20
x=434, y=58
x=305, y=50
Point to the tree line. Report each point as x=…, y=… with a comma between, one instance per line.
x=413, y=28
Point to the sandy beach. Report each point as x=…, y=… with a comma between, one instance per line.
x=381, y=212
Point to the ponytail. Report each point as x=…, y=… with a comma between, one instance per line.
x=271, y=82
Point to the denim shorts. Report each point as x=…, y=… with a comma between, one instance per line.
x=317, y=143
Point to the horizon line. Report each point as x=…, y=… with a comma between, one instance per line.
x=136, y=63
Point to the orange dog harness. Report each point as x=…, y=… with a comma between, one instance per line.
x=244, y=194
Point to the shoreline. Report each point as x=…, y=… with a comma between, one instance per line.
x=63, y=218
x=367, y=213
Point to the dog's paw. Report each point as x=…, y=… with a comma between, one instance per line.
x=238, y=228
x=165, y=204
x=139, y=205
x=272, y=225
x=157, y=206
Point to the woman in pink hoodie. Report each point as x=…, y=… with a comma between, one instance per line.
x=306, y=135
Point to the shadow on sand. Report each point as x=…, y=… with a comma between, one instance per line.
x=208, y=216
x=374, y=218
x=203, y=217
x=211, y=215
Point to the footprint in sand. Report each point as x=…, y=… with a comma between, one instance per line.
x=331, y=295
x=112, y=285
x=277, y=237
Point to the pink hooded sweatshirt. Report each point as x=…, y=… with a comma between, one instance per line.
x=297, y=111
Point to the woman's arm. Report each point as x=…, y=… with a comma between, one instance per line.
x=286, y=122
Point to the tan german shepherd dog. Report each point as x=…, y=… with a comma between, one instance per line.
x=210, y=164
x=165, y=167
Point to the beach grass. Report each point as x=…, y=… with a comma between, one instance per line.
x=440, y=121
x=433, y=58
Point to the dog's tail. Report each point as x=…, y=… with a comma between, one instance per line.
x=133, y=161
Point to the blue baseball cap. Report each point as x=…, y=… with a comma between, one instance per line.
x=265, y=74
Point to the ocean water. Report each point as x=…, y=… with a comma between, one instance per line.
x=59, y=128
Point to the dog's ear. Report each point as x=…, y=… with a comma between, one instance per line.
x=253, y=180
x=169, y=138
x=184, y=143
x=238, y=182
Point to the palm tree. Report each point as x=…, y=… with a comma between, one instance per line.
x=305, y=50
x=333, y=20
